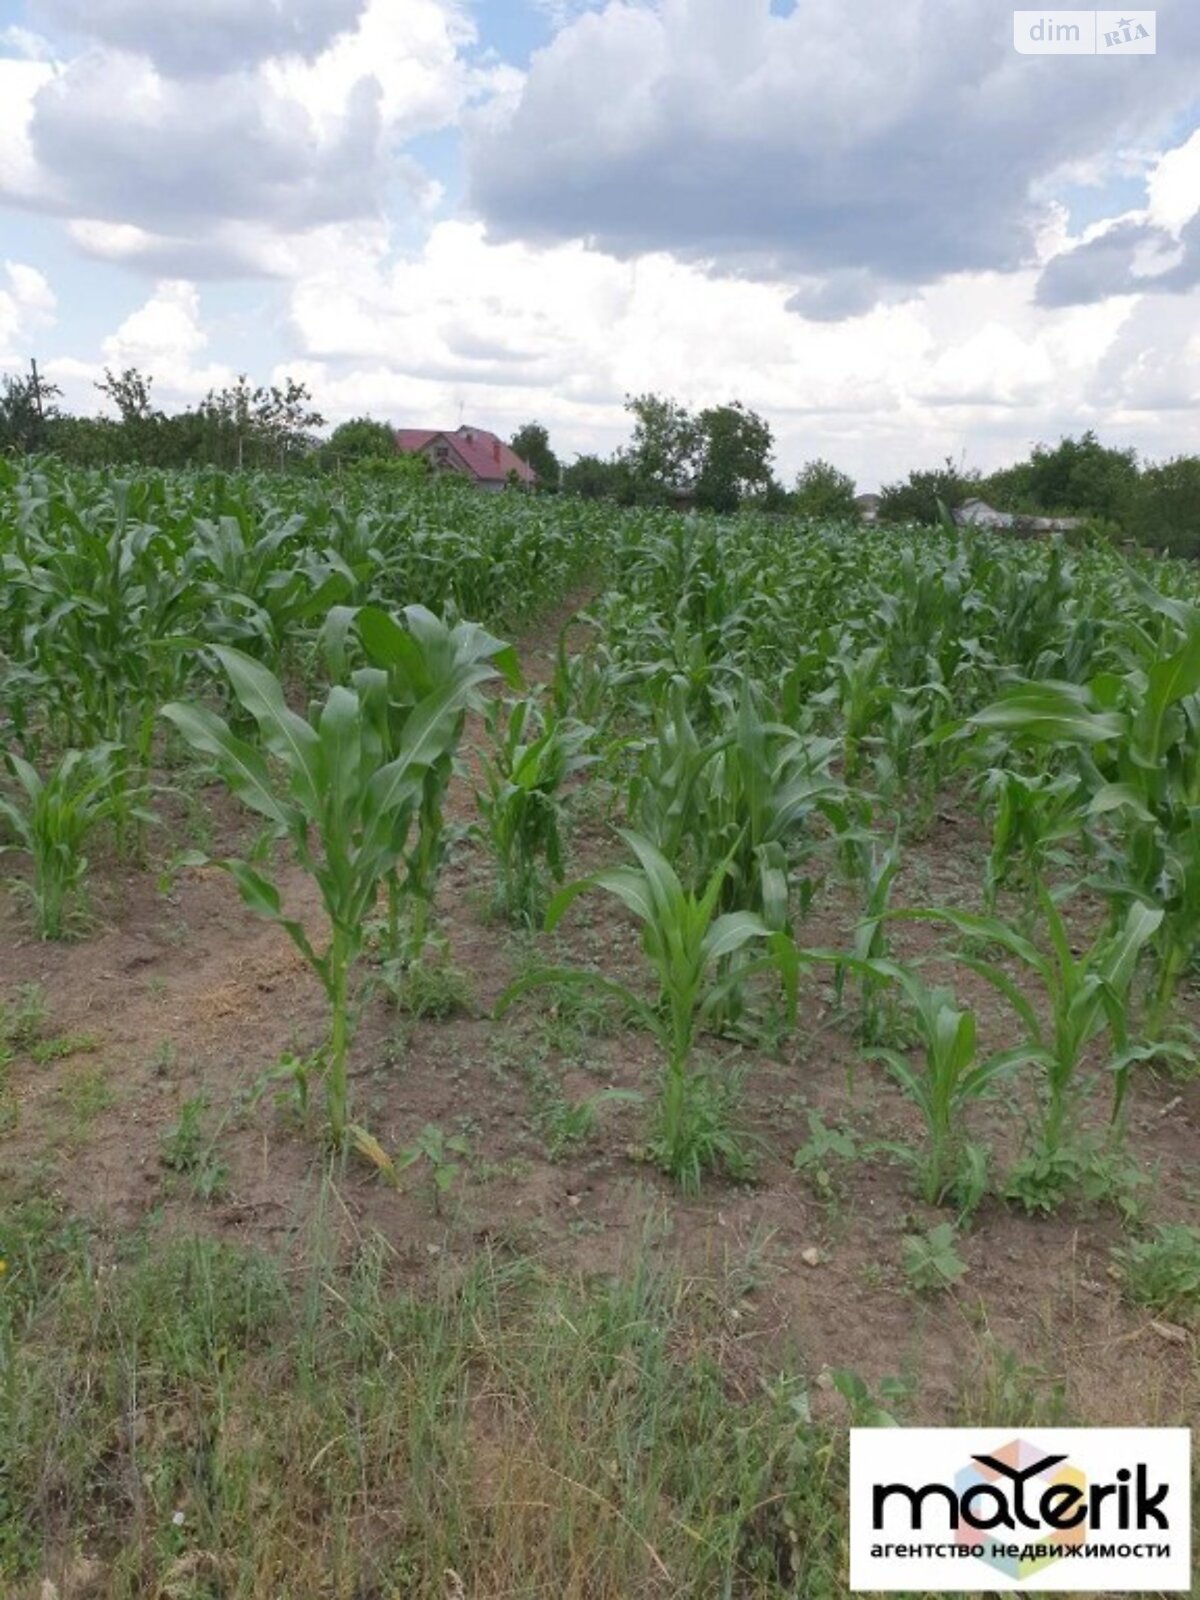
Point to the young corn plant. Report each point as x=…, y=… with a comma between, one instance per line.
x=664, y=801
x=52, y=817
x=1083, y=996
x=423, y=658
x=349, y=790
x=743, y=797
x=685, y=940
x=521, y=803
x=950, y=1079
x=1035, y=815
x=1135, y=740
x=764, y=783
x=877, y=871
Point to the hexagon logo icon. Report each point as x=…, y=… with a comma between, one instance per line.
x=983, y=1484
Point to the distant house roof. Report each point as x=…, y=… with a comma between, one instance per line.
x=483, y=455
x=977, y=513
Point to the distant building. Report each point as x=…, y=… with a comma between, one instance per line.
x=867, y=506
x=978, y=514
x=472, y=452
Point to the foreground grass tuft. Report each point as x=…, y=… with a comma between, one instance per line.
x=191, y=1419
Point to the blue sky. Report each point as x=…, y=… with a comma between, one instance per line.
x=879, y=225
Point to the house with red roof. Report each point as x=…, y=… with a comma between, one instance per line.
x=472, y=452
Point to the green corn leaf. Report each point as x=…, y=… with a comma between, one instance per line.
x=241, y=765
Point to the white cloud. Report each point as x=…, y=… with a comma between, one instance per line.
x=164, y=338
x=1155, y=247
x=205, y=37
x=870, y=147
x=27, y=304
x=24, y=43
x=20, y=81
x=179, y=174
x=506, y=332
x=1173, y=187
x=416, y=54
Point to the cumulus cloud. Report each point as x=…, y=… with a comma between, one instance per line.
x=1155, y=250
x=199, y=38
x=27, y=303
x=165, y=337
x=875, y=144
x=20, y=82
x=122, y=143
x=509, y=331
x=1130, y=257
x=178, y=174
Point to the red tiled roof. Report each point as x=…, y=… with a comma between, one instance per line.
x=484, y=455
x=409, y=440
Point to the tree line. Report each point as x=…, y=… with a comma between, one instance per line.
x=719, y=458
x=238, y=427
x=1153, y=503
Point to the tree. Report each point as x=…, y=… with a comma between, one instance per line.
x=129, y=391
x=662, y=457
x=824, y=493
x=1083, y=477
x=360, y=439
x=532, y=444
x=244, y=427
x=1165, y=511
x=916, y=499
x=592, y=478
x=736, y=446
x=27, y=411
x=284, y=419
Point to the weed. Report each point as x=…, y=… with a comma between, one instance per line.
x=696, y=1129
x=22, y=1019
x=188, y=1150
x=87, y=1097
x=62, y=1048
x=163, y=1061
x=1162, y=1272
x=565, y=1124
x=868, y=1410
x=822, y=1153
x=1007, y=1392
x=1085, y=1168
x=427, y=988
x=931, y=1262
x=438, y=1153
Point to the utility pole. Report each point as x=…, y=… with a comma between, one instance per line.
x=35, y=388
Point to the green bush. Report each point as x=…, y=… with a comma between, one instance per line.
x=824, y=493
x=916, y=499
x=1165, y=510
x=361, y=439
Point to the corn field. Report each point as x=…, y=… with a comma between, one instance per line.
x=762, y=703
x=702, y=826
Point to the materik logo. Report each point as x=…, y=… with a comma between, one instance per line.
x=1090, y=1510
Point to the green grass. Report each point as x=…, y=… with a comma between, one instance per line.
x=205, y=1423
x=212, y=1423
x=1162, y=1272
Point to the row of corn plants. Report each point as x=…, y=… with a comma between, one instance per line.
x=766, y=706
